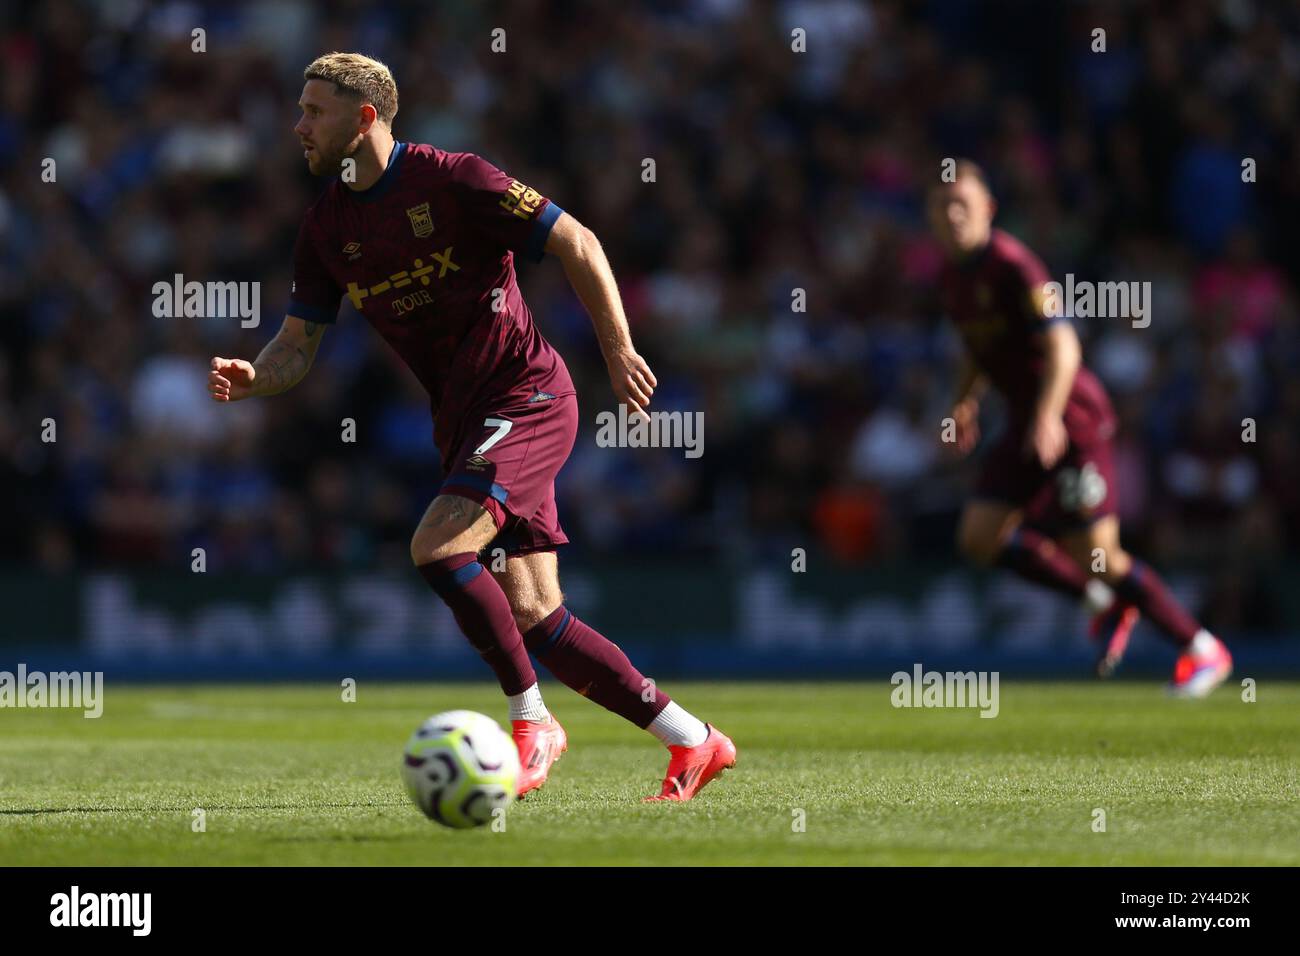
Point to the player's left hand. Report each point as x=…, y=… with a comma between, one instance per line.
x=632, y=380
x=1047, y=439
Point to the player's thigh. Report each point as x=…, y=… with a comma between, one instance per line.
x=451, y=525
x=531, y=582
x=984, y=527
x=1096, y=548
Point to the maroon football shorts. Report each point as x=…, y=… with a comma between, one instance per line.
x=507, y=463
x=1070, y=496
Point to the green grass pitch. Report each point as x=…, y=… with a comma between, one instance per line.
x=292, y=775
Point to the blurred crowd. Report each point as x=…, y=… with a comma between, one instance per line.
x=776, y=171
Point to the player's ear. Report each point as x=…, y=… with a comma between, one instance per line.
x=368, y=116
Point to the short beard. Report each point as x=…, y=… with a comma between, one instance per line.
x=330, y=166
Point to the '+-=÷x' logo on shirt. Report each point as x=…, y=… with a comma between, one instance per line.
x=404, y=278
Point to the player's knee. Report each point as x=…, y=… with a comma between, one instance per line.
x=421, y=549
x=1101, y=557
x=1112, y=565
x=427, y=546
x=451, y=526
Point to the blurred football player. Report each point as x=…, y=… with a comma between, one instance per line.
x=1044, y=505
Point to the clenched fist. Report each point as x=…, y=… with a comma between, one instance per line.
x=231, y=379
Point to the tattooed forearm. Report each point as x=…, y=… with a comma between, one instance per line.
x=279, y=368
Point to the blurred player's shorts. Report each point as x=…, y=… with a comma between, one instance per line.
x=1078, y=491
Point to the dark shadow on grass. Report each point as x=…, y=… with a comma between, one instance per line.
x=28, y=811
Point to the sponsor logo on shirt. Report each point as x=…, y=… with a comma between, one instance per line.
x=399, y=280
x=521, y=200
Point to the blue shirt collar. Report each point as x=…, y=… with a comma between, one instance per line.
x=385, y=180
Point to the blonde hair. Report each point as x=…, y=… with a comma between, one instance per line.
x=358, y=77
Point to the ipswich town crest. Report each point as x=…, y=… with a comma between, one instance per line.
x=421, y=221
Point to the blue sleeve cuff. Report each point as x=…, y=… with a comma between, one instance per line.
x=312, y=313
x=541, y=229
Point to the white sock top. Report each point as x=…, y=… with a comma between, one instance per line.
x=528, y=705
x=676, y=727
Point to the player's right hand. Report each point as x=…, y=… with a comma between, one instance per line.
x=632, y=381
x=966, y=417
x=230, y=379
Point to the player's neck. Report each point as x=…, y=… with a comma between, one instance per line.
x=975, y=252
x=372, y=160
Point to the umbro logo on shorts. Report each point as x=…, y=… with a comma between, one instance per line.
x=477, y=463
x=541, y=397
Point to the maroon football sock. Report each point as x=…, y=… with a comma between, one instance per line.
x=594, y=666
x=483, y=613
x=1144, y=589
x=1037, y=558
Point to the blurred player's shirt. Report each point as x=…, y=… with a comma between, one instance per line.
x=426, y=254
x=995, y=298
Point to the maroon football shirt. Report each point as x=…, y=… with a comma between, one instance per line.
x=995, y=299
x=426, y=254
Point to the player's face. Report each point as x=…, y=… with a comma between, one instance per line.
x=329, y=127
x=961, y=214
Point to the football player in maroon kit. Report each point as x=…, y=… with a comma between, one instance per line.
x=422, y=243
x=1045, y=502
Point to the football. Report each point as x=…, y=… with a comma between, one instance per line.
x=460, y=767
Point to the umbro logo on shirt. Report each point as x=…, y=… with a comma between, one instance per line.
x=352, y=250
